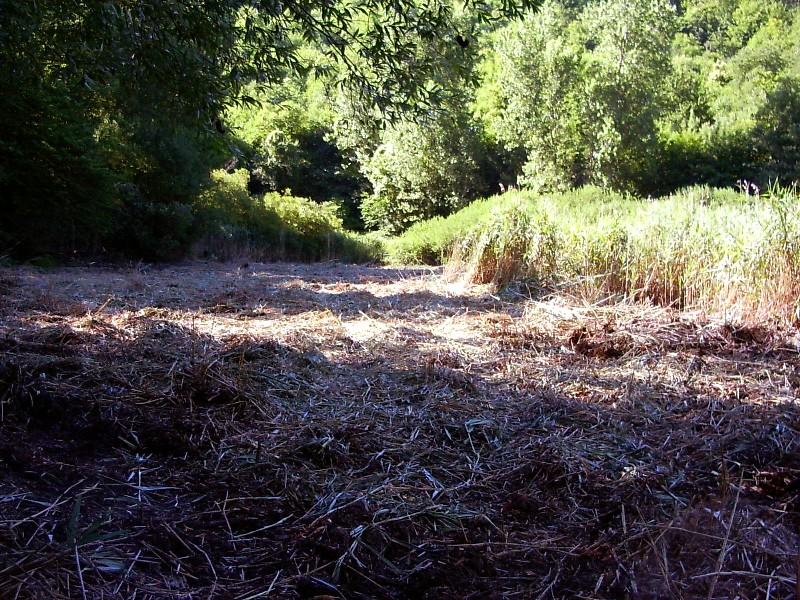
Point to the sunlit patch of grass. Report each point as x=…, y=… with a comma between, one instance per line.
x=235, y=226
x=699, y=248
x=432, y=241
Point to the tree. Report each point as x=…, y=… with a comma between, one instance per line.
x=733, y=102
x=421, y=169
x=140, y=79
x=625, y=67
x=57, y=189
x=777, y=133
x=286, y=142
x=198, y=56
x=530, y=97
x=583, y=95
x=423, y=163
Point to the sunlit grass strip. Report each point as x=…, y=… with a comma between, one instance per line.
x=699, y=248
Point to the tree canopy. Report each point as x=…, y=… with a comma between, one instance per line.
x=199, y=55
x=114, y=107
x=121, y=115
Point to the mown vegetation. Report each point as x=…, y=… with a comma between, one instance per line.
x=233, y=429
x=342, y=431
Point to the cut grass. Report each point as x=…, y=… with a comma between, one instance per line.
x=310, y=431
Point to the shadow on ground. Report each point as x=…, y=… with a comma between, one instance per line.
x=146, y=455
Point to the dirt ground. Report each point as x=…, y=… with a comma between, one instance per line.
x=330, y=431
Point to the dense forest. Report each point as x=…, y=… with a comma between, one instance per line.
x=166, y=130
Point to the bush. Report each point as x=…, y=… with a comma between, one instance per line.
x=232, y=225
x=157, y=232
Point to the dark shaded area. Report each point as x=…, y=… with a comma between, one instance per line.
x=313, y=169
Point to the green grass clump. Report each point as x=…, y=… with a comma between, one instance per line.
x=431, y=242
x=274, y=227
x=515, y=240
x=700, y=247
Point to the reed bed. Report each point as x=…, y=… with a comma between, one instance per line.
x=325, y=431
x=714, y=249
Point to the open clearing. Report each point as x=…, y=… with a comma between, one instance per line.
x=328, y=431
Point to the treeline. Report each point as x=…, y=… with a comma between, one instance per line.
x=169, y=131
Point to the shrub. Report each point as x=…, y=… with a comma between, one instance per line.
x=156, y=232
x=233, y=224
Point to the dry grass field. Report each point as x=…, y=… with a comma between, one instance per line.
x=329, y=431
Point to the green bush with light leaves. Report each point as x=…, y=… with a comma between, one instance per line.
x=232, y=224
